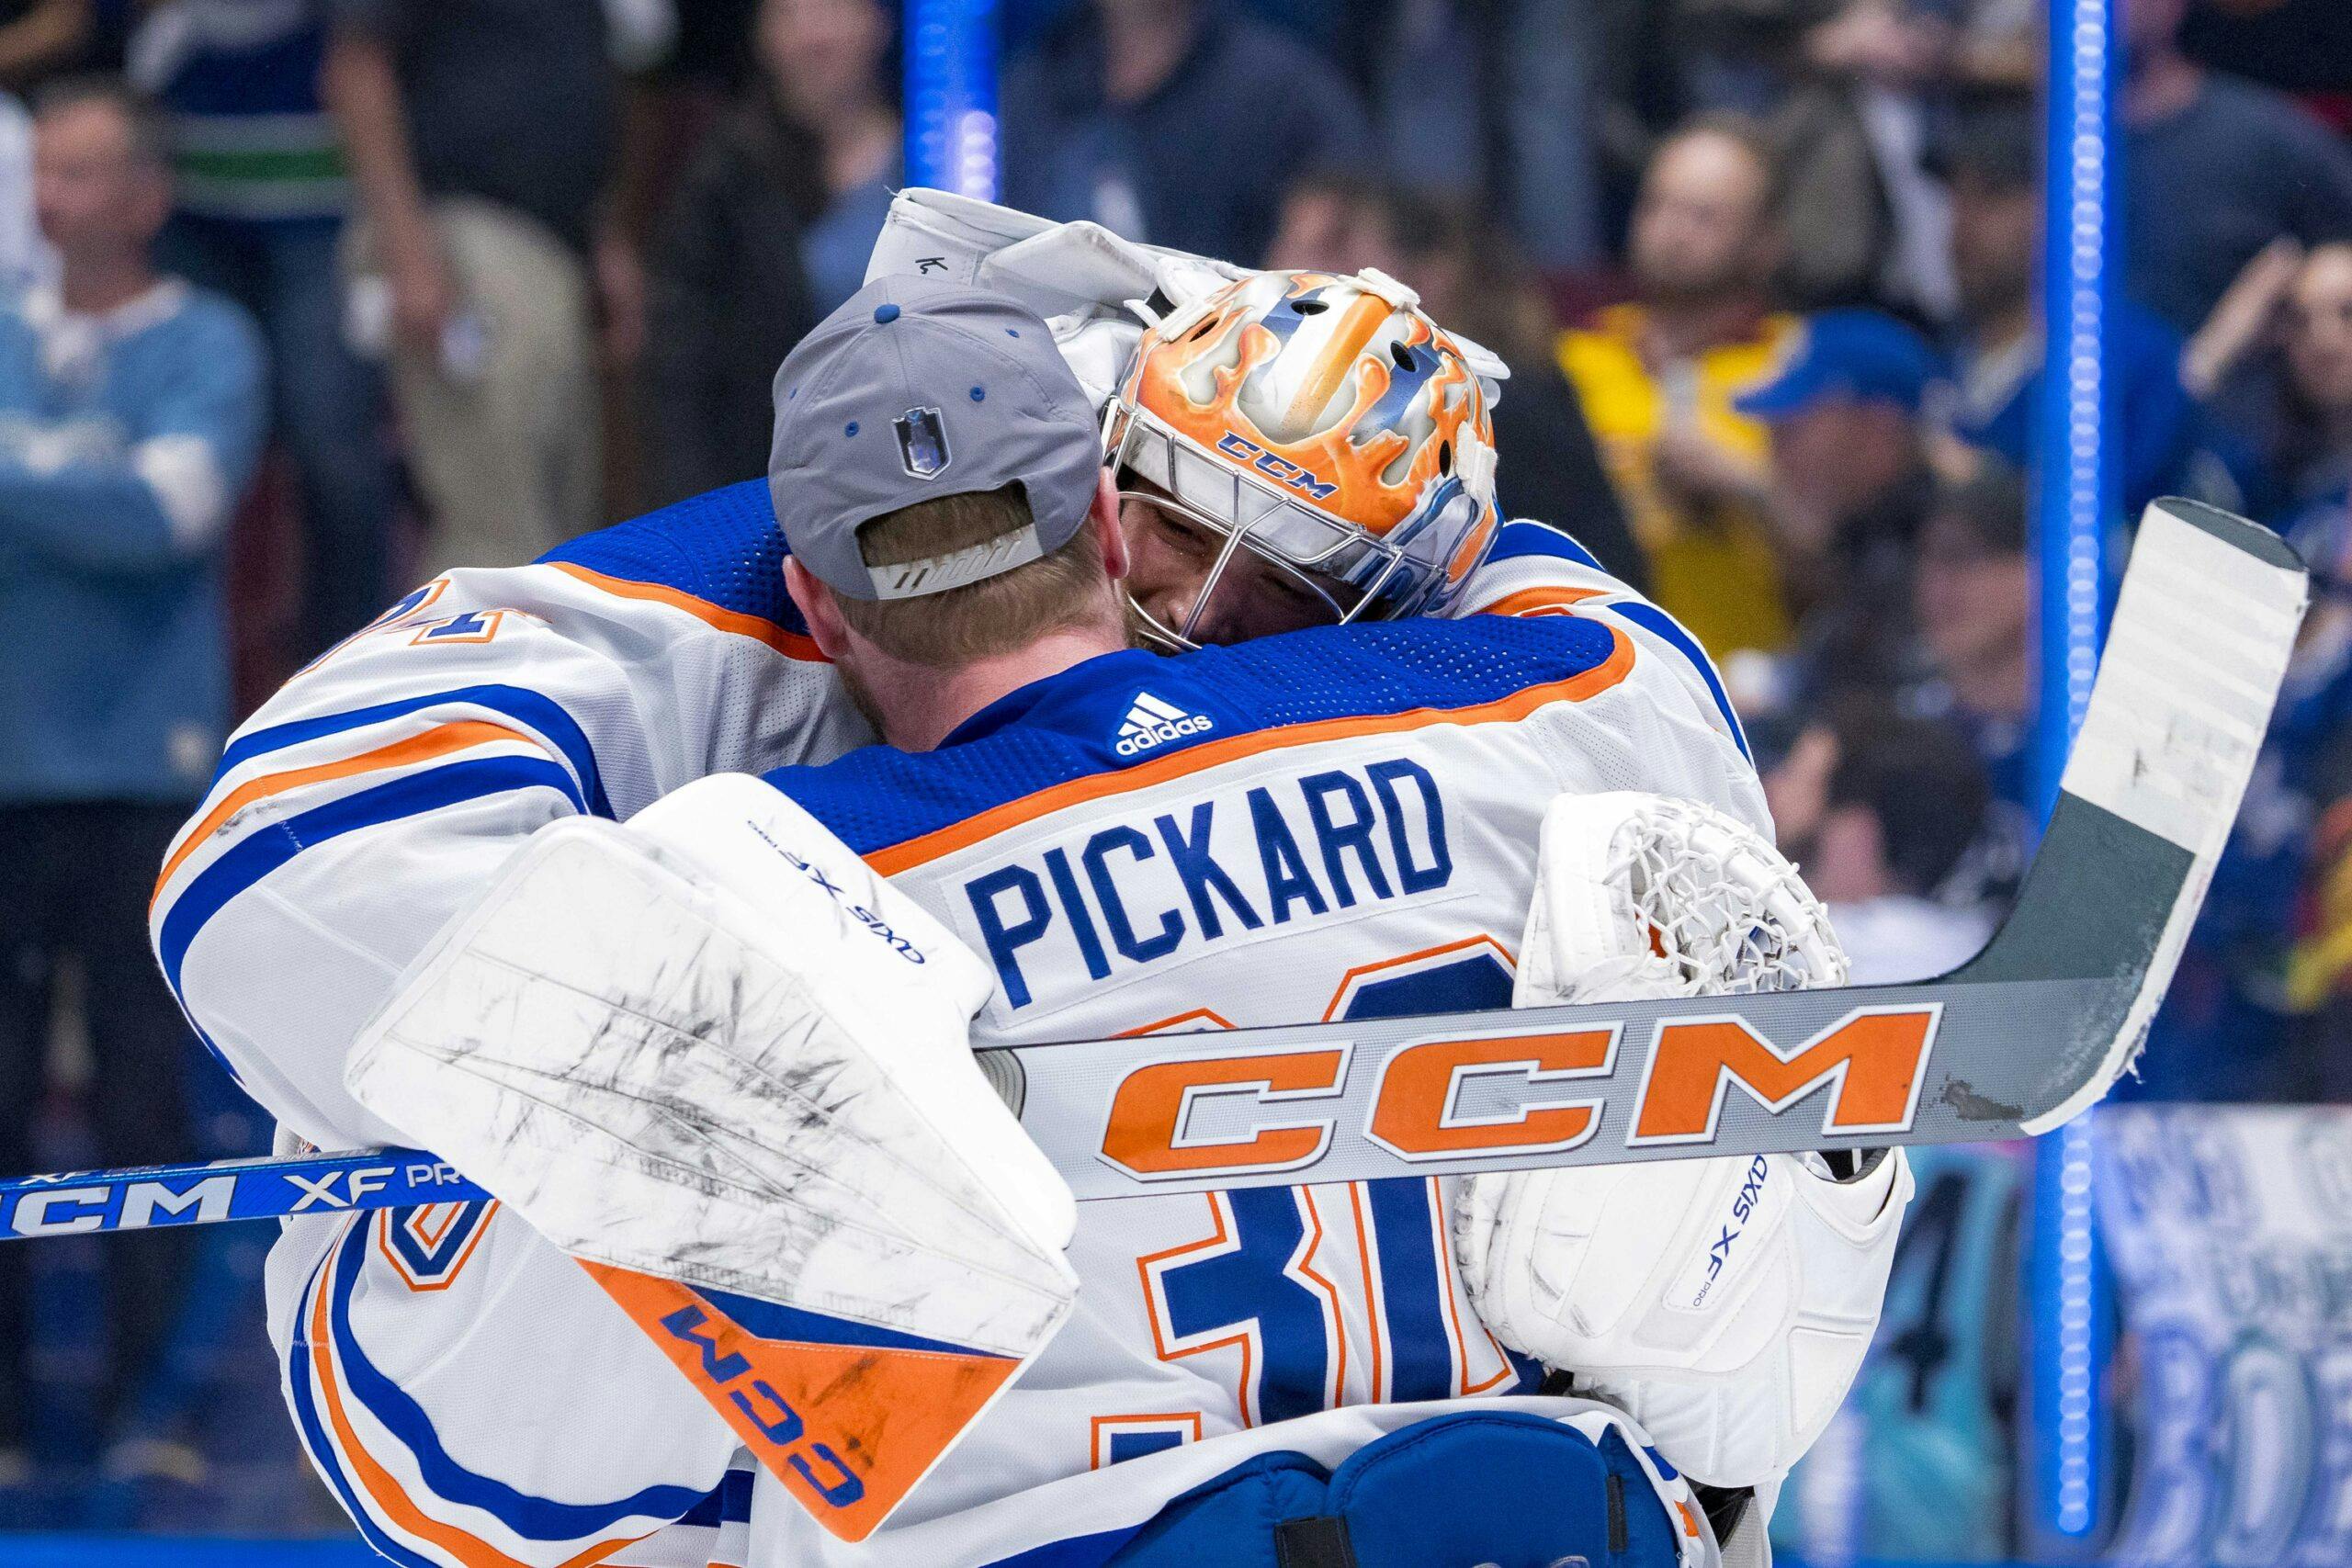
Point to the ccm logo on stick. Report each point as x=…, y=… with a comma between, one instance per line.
x=1872, y=1064
x=1871, y=1061
x=1154, y=1104
x=1417, y=1107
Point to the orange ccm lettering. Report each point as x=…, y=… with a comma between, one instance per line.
x=1145, y=1135
x=1417, y=1111
x=1872, y=1062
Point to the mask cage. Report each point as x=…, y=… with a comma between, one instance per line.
x=1261, y=516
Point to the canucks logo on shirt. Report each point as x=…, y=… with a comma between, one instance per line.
x=1151, y=722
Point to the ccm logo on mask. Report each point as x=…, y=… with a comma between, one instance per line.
x=1242, y=449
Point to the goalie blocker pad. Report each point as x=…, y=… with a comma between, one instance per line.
x=723, y=1064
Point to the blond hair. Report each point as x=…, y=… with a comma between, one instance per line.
x=980, y=620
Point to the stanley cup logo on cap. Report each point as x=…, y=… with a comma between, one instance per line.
x=886, y=356
x=922, y=442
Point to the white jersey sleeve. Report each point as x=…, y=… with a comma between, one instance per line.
x=466, y=1390
x=1537, y=569
x=368, y=800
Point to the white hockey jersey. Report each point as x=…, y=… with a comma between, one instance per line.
x=1335, y=824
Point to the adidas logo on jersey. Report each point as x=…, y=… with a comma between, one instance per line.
x=1151, y=722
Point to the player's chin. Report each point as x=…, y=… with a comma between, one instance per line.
x=1148, y=634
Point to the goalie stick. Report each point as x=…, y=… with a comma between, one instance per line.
x=2015, y=1042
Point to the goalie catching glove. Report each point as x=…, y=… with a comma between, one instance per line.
x=716, y=1058
x=1725, y=1304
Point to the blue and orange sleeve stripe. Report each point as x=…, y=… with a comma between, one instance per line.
x=441, y=740
x=332, y=1384
x=534, y=711
x=510, y=740
x=1526, y=540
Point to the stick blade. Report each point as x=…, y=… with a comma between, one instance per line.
x=2204, y=625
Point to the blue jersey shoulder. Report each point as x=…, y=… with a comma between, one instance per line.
x=1126, y=709
x=722, y=547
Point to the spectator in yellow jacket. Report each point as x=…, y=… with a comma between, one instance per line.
x=1660, y=377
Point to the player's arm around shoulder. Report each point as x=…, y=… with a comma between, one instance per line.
x=375, y=793
x=357, y=808
x=449, y=1372
x=1664, y=722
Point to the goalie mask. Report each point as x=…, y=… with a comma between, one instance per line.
x=1322, y=424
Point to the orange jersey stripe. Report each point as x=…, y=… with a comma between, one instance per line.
x=1208, y=1017
x=1376, y=1299
x=792, y=645
x=386, y=1490
x=962, y=835
x=438, y=741
x=1448, y=1288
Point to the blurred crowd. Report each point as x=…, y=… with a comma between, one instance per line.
x=302, y=301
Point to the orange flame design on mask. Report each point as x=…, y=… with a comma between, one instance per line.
x=1363, y=497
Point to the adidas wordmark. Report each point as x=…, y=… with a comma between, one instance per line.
x=1151, y=722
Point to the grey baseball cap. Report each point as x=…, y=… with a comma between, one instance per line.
x=915, y=388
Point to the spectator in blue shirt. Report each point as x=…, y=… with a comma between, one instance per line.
x=132, y=406
x=1849, y=488
x=1176, y=122
x=1845, y=406
x=2169, y=445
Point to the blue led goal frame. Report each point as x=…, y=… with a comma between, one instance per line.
x=2077, y=494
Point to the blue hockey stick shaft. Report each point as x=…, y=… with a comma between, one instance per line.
x=80, y=1202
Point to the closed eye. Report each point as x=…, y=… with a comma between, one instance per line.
x=1196, y=543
